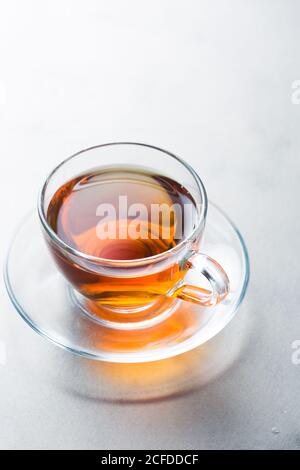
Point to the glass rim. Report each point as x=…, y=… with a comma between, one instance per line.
x=130, y=262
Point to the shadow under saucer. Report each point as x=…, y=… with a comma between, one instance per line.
x=129, y=383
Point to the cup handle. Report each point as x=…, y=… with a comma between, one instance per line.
x=216, y=276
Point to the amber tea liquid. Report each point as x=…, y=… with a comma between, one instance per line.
x=118, y=214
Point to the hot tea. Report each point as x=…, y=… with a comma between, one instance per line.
x=121, y=214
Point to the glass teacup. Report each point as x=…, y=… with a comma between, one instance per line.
x=129, y=270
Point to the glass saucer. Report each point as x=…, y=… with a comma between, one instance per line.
x=42, y=297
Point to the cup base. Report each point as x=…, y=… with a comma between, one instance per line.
x=135, y=318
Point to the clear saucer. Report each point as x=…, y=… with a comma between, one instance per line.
x=42, y=297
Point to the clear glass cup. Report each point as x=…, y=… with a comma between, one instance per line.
x=173, y=268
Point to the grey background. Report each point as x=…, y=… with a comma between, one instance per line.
x=211, y=81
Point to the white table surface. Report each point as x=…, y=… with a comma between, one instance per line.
x=210, y=81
